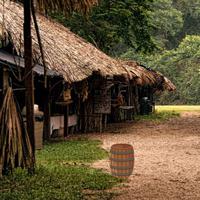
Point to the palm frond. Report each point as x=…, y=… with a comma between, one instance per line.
x=15, y=148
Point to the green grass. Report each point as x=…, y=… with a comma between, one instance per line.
x=168, y=111
x=158, y=116
x=74, y=151
x=61, y=173
x=178, y=108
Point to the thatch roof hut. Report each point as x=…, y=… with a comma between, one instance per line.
x=143, y=76
x=66, y=53
x=147, y=76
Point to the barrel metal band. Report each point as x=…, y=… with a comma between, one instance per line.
x=122, y=160
x=122, y=167
x=121, y=174
x=122, y=153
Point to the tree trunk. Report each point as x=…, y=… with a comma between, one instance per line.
x=29, y=78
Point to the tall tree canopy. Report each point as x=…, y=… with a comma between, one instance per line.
x=182, y=67
x=166, y=20
x=114, y=26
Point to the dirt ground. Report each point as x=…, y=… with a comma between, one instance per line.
x=167, y=158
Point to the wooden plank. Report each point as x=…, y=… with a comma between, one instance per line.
x=102, y=102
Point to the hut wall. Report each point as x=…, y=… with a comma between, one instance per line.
x=94, y=110
x=123, y=107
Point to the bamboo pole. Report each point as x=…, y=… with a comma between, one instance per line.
x=29, y=81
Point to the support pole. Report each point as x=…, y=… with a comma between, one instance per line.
x=4, y=168
x=29, y=81
x=5, y=80
x=47, y=112
x=66, y=115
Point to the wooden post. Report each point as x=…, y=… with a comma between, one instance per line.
x=47, y=112
x=83, y=117
x=5, y=79
x=29, y=79
x=66, y=115
x=4, y=169
x=105, y=121
x=100, y=122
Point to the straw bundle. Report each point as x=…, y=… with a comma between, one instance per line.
x=64, y=52
x=15, y=148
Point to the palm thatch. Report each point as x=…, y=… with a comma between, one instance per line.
x=147, y=76
x=65, y=6
x=168, y=85
x=15, y=148
x=144, y=76
x=66, y=53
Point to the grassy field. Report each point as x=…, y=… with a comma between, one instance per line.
x=62, y=173
x=178, y=108
x=168, y=111
x=158, y=116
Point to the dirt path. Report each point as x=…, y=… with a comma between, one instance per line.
x=167, y=158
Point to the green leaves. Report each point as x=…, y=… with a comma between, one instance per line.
x=114, y=26
x=182, y=67
x=166, y=20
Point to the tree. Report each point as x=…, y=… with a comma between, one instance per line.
x=191, y=18
x=167, y=22
x=182, y=67
x=114, y=26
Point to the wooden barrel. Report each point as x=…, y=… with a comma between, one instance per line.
x=121, y=160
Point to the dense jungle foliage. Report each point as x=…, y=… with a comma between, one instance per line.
x=163, y=34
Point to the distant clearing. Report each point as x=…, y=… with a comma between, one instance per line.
x=178, y=108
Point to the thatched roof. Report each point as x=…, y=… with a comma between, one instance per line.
x=144, y=76
x=65, y=6
x=69, y=55
x=168, y=85
x=147, y=76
